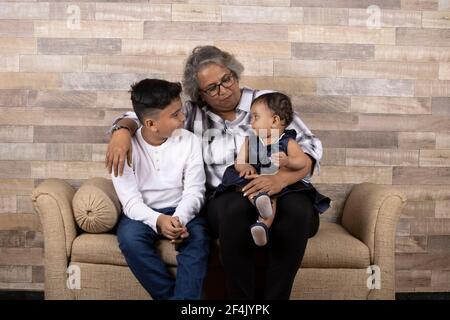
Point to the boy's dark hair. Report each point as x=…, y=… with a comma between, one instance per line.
x=150, y=96
x=280, y=104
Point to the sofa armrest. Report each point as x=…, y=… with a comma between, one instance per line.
x=371, y=213
x=52, y=199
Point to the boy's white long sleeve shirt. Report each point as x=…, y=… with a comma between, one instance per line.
x=169, y=175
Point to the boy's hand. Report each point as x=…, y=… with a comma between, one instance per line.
x=183, y=234
x=245, y=170
x=280, y=159
x=167, y=226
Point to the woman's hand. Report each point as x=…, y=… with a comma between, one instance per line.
x=273, y=184
x=119, y=148
x=266, y=183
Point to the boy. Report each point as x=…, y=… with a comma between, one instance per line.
x=161, y=195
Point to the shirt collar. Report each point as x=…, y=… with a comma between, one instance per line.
x=246, y=99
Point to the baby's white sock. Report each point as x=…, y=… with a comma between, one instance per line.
x=259, y=235
x=264, y=206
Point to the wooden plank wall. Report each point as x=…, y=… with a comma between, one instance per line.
x=373, y=84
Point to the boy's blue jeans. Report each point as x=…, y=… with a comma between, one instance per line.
x=137, y=242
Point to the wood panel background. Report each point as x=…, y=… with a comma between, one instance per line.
x=378, y=95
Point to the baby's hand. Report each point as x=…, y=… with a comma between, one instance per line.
x=280, y=159
x=245, y=170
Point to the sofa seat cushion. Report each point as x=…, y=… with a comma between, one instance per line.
x=335, y=247
x=104, y=249
x=331, y=247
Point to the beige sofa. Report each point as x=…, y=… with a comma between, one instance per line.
x=335, y=266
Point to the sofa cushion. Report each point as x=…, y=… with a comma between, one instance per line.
x=331, y=247
x=95, y=206
x=335, y=247
x=104, y=249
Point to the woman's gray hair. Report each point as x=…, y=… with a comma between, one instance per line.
x=202, y=56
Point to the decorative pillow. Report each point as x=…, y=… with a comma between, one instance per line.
x=96, y=207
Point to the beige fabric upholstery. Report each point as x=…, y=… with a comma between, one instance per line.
x=108, y=282
x=97, y=248
x=330, y=284
x=361, y=211
x=96, y=207
x=332, y=247
x=371, y=213
x=334, y=266
x=53, y=202
x=104, y=249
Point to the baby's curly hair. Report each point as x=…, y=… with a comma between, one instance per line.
x=280, y=104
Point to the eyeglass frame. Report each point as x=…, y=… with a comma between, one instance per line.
x=220, y=84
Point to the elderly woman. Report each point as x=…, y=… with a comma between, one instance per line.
x=219, y=111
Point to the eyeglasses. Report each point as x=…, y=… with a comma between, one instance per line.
x=214, y=89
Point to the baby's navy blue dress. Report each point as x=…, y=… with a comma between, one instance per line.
x=259, y=157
